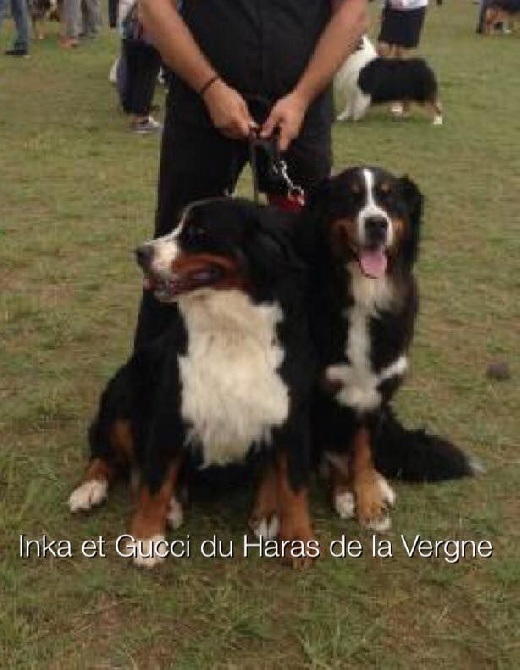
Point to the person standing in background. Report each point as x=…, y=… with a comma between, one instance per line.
x=90, y=18
x=20, y=15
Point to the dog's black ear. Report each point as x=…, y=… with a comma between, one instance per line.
x=413, y=198
x=414, y=202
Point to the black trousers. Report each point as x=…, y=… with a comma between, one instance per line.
x=142, y=62
x=199, y=162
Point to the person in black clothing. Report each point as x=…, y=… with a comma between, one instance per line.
x=243, y=66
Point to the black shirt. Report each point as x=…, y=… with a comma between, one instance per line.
x=259, y=47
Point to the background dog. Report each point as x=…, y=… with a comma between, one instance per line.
x=500, y=11
x=40, y=11
x=366, y=79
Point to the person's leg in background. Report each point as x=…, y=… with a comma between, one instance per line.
x=143, y=63
x=91, y=18
x=196, y=162
x=20, y=13
x=70, y=21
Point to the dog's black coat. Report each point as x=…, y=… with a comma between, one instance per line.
x=389, y=79
x=148, y=392
x=413, y=455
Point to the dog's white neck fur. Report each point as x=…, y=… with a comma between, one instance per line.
x=232, y=394
x=359, y=381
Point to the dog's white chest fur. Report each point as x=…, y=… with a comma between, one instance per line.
x=232, y=394
x=358, y=381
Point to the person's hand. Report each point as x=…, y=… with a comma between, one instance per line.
x=286, y=116
x=228, y=111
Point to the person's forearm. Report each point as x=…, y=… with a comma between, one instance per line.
x=175, y=43
x=339, y=39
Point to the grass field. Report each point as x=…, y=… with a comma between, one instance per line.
x=77, y=193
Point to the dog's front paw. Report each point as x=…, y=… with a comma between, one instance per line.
x=374, y=496
x=147, y=553
x=175, y=516
x=345, y=504
x=88, y=495
x=266, y=527
x=298, y=546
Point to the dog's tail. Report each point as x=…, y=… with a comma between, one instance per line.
x=419, y=456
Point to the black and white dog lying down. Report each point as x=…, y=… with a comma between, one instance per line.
x=367, y=79
x=236, y=374
x=232, y=376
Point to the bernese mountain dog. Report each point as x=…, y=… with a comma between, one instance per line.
x=500, y=11
x=368, y=79
x=231, y=377
x=360, y=235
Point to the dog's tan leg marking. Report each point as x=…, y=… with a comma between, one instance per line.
x=295, y=522
x=148, y=526
x=372, y=493
x=264, y=517
x=122, y=442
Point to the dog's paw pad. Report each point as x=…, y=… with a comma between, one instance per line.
x=175, y=517
x=145, y=552
x=88, y=495
x=345, y=504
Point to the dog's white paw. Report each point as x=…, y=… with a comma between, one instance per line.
x=345, y=504
x=88, y=495
x=145, y=551
x=383, y=522
x=438, y=120
x=267, y=529
x=175, y=517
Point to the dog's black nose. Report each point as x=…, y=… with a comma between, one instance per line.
x=144, y=255
x=376, y=229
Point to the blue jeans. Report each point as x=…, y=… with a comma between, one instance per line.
x=21, y=20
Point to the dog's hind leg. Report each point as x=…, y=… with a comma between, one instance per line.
x=360, y=104
x=435, y=108
x=111, y=452
x=111, y=443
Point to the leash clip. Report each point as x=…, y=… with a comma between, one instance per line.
x=270, y=169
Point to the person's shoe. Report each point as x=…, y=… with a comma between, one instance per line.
x=146, y=126
x=69, y=42
x=16, y=51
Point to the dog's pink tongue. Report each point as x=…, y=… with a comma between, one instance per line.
x=373, y=262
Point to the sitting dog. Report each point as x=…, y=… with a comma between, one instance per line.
x=230, y=378
x=360, y=235
x=366, y=79
x=500, y=11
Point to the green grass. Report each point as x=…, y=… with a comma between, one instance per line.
x=77, y=193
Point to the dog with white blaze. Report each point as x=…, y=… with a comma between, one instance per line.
x=228, y=382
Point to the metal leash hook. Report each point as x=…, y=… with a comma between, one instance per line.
x=268, y=166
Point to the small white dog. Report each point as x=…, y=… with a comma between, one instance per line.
x=365, y=79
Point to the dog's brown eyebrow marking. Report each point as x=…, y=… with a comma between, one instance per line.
x=386, y=187
x=355, y=187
